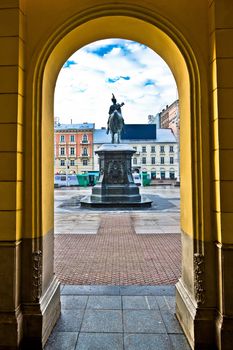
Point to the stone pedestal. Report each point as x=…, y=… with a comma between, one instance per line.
x=115, y=187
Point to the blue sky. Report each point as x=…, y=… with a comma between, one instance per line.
x=134, y=73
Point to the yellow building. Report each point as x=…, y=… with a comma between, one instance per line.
x=195, y=40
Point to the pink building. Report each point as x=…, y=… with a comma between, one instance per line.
x=73, y=148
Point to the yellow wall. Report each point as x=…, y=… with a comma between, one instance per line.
x=12, y=69
x=221, y=65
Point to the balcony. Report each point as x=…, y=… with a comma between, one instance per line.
x=84, y=155
x=84, y=142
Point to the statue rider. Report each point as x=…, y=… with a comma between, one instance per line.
x=115, y=107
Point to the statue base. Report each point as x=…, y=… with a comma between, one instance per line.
x=87, y=202
x=115, y=187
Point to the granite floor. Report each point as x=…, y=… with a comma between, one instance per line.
x=117, y=318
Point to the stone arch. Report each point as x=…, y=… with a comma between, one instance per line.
x=134, y=23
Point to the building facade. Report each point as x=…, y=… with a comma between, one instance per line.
x=73, y=148
x=170, y=117
x=156, y=149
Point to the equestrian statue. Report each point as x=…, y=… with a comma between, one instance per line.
x=115, y=120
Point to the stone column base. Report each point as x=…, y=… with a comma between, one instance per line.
x=40, y=318
x=11, y=329
x=224, y=330
x=197, y=322
x=11, y=318
x=224, y=319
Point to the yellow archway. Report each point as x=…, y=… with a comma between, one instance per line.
x=133, y=23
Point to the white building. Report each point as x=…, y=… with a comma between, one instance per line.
x=156, y=149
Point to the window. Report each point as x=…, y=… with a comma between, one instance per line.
x=152, y=160
x=62, y=151
x=72, y=163
x=153, y=175
x=171, y=149
x=144, y=149
x=71, y=138
x=143, y=160
x=84, y=151
x=84, y=138
x=62, y=162
x=134, y=160
x=85, y=162
x=72, y=151
x=62, y=138
x=171, y=160
x=172, y=175
x=161, y=160
x=162, y=175
x=152, y=149
x=162, y=149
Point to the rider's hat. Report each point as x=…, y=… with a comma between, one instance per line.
x=113, y=98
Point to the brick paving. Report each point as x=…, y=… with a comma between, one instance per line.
x=116, y=255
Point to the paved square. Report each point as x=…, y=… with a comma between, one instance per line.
x=116, y=255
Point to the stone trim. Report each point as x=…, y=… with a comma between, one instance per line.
x=199, y=269
x=36, y=275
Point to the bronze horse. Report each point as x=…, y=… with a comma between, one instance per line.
x=116, y=124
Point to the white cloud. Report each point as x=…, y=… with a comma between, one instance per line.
x=83, y=90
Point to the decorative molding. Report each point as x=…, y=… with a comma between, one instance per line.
x=10, y=244
x=36, y=275
x=199, y=290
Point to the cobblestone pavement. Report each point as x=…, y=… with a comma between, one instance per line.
x=117, y=255
x=117, y=318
